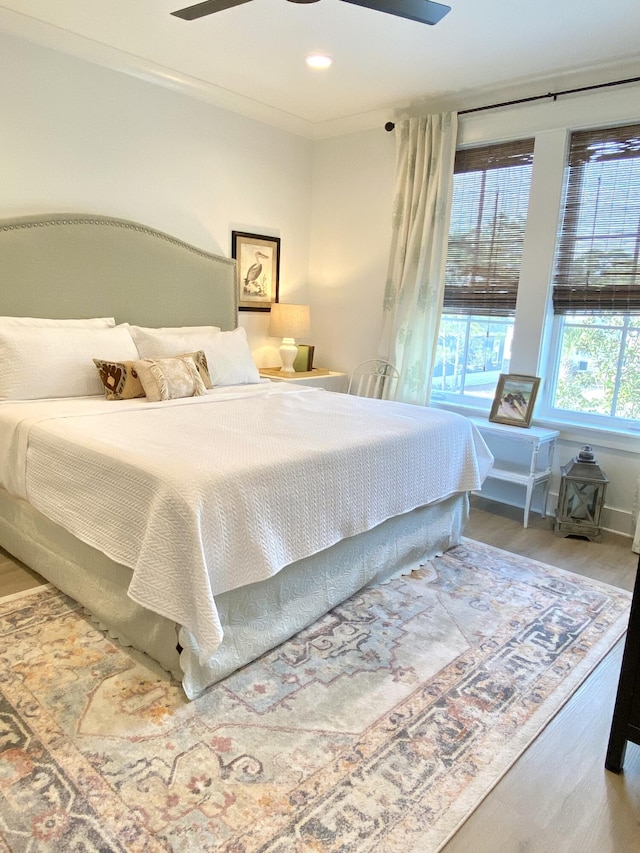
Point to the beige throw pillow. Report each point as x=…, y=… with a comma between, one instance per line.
x=169, y=378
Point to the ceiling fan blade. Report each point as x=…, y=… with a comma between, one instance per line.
x=206, y=8
x=423, y=11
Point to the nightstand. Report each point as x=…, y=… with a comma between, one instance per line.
x=521, y=455
x=319, y=377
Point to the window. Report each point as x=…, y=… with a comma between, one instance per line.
x=488, y=217
x=596, y=292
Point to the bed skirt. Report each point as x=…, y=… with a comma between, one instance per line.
x=255, y=618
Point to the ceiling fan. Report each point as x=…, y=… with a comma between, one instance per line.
x=423, y=11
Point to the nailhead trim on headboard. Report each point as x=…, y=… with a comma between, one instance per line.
x=117, y=223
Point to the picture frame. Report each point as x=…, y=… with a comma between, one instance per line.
x=257, y=259
x=303, y=361
x=514, y=399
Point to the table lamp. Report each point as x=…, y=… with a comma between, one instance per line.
x=289, y=322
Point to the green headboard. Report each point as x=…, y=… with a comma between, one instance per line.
x=81, y=265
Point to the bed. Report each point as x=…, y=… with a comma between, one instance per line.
x=202, y=529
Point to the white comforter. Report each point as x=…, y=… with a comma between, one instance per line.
x=205, y=495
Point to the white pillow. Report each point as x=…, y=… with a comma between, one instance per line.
x=229, y=359
x=160, y=343
x=57, y=361
x=172, y=330
x=228, y=355
x=91, y=323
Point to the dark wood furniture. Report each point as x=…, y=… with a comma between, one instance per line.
x=625, y=725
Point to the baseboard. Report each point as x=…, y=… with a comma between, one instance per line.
x=613, y=519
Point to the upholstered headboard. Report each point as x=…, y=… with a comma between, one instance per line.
x=80, y=265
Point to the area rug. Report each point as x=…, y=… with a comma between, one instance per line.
x=381, y=727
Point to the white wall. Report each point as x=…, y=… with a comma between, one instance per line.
x=352, y=190
x=350, y=232
x=77, y=137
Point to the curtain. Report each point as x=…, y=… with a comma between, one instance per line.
x=425, y=153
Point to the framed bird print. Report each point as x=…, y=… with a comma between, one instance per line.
x=257, y=270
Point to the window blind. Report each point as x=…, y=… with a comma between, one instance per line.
x=598, y=259
x=488, y=216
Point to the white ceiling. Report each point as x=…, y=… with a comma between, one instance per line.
x=251, y=58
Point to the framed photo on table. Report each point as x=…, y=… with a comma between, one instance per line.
x=257, y=270
x=514, y=399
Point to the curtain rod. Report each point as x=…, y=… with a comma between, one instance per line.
x=555, y=95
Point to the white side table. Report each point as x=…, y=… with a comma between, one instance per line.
x=331, y=380
x=522, y=455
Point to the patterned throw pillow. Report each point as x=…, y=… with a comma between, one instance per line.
x=120, y=379
x=169, y=378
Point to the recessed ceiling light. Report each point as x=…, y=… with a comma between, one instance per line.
x=319, y=60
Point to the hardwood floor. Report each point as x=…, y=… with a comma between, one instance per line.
x=558, y=797
x=610, y=560
x=15, y=576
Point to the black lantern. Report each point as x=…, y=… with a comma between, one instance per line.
x=581, y=498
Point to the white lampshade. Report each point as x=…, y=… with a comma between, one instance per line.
x=289, y=321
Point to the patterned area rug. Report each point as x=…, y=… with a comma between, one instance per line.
x=381, y=727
